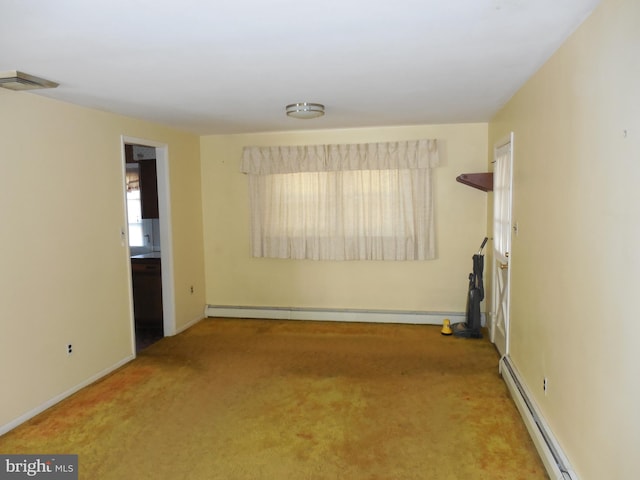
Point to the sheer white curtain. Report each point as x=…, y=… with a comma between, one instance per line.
x=342, y=202
x=502, y=200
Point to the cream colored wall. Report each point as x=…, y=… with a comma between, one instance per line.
x=64, y=275
x=576, y=260
x=235, y=278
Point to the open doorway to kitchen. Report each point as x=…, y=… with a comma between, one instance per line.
x=148, y=240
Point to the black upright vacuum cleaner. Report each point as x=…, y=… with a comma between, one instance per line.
x=471, y=328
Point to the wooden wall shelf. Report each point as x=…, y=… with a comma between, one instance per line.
x=481, y=181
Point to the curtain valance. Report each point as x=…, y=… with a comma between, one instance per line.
x=414, y=154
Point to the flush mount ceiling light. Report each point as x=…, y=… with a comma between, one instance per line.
x=305, y=110
x=15, y=80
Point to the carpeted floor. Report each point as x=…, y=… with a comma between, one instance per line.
x=266, y=399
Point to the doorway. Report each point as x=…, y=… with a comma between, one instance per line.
x=502, y=228
x=149, y=241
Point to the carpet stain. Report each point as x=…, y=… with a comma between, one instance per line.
x=266, y=399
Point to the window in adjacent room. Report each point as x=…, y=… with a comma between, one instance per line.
x=134, y=206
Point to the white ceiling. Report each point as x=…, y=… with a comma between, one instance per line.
x=231, y=66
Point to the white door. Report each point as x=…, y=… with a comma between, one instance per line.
x=502, y=223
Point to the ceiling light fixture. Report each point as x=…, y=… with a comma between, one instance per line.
x=305, y=110
x=15, y=80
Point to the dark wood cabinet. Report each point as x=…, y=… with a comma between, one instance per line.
x=128, y=154
x=147, y=294
x=149, y=188
x=148, y=177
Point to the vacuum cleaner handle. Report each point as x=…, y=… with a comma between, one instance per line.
x=484, y=242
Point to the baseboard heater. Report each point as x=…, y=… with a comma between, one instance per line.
x=338, y=315
x=550, y=452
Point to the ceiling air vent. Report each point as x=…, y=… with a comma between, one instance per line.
x=15, y=80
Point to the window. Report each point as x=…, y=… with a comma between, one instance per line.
x=342, y=202
x=134, y=206
x=134, y=212
x=502, y=198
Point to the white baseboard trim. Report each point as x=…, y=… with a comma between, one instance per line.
x=58, y=398
x=188, y=325
x=342, y=315
x=554, y=459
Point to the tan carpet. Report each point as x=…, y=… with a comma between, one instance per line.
x=266, y=399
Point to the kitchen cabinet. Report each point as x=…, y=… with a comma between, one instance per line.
x=148, y=188
x=148, y=178
x=147, y=294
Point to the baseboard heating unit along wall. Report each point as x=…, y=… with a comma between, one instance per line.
x=338, y=315
x=552, y=455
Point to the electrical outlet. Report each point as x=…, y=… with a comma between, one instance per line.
x=69, y=348
x=191, y=289
x=545, y=385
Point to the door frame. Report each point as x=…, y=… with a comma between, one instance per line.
x=495, y=270
x=166, y=240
